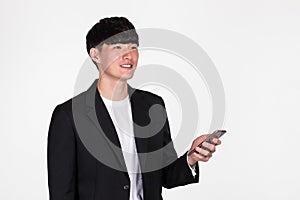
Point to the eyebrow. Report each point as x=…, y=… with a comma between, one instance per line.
x=131, y=44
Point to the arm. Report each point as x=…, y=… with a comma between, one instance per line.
x=178, y=173
x=61, y=157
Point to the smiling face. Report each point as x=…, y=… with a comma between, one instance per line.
x=118, y=61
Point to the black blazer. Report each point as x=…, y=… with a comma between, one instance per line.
x=84, y=159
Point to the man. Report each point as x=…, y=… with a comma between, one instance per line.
x=103, y=143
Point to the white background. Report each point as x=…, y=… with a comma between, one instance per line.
x=254, y=44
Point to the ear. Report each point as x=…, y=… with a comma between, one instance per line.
x=95, y=55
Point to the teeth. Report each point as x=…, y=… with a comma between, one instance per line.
x=127, y=66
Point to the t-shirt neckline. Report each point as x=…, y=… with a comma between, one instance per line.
x=110, y=102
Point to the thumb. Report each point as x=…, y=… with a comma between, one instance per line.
x=198, y=140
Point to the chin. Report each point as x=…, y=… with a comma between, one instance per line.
x=125, y=78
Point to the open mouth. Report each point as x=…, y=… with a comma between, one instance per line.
x=128, y=66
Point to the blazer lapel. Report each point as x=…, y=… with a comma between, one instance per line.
x=139, y=114
x=105, y=121
x=98, y=113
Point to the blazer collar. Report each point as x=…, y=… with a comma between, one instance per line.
x=90, y=101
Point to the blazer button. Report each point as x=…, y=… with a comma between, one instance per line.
x=126, y=187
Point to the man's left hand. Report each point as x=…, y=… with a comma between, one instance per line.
x=205, y=152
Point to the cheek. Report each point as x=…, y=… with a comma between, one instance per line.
x=135, y=55
x=110, y=59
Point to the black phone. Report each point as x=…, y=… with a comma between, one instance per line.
x=215, y=134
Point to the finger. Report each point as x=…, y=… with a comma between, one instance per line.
x=203, y=152
x=216, y=141
x=208, y=146
x=200, y=157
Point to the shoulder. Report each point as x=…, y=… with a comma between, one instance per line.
x=66, y=106
x=149, y=97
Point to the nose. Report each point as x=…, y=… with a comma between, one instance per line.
x=127, y=55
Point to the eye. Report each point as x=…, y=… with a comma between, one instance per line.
x=117, y=47
x=134, y=47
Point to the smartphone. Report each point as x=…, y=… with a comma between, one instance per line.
x=215, y=134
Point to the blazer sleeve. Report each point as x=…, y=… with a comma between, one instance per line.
x=178, y=173
x=61, y=157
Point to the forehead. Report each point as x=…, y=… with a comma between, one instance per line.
x=124, y=45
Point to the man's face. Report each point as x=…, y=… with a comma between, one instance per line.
x=118, y=61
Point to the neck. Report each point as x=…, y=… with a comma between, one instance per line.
x=114, y=90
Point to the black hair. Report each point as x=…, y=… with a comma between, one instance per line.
x=111, y=30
